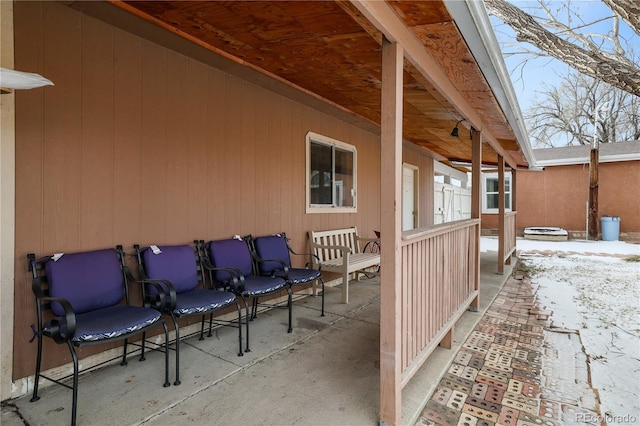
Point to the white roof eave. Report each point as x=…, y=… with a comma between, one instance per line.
x=473, y=23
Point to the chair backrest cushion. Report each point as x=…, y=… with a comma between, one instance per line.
x=177, y=264
x=231, y=253
x=272, y=247
x=89, y=280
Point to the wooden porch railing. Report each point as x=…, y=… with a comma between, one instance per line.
x=507, y=240
x=439, y=282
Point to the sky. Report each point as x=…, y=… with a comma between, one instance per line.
x=529, y=78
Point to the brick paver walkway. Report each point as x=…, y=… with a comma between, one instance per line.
x=514, y=370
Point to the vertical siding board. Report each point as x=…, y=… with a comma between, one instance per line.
x=231, y=183
x=63, y=130
x=270, y=168
x=127, y=118
x=197, y=188
x=214, y=195
x=154, y=144
x=249, y=158
x=176, y=160
x=97, y=168
x=293, y=165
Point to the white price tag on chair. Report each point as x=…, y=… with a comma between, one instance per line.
x=155, y=249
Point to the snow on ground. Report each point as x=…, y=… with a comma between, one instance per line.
x=591, y=289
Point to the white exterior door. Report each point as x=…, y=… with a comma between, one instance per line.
x=409, y=203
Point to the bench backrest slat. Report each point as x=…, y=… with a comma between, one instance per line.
x=335, y=237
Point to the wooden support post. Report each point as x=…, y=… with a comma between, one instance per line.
x=501, y=213
x=447, y=340
x=593, y=193
x=390, y=227
x=476, y=203
x=511, y=232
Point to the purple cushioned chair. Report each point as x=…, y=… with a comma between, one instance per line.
x=273, y=257
x=231, y=267
x=177, y=270
x=84, y=292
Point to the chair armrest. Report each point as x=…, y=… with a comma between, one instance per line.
x=307, y=264
x=69, y=316
x=165, y=298
x=237, y=278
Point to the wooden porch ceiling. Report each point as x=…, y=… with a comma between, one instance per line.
x=329, y=49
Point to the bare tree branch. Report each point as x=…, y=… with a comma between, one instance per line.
x=628, y=10
x=567, y=112
x=614, y=69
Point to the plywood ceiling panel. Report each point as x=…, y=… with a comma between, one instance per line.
x=332, y=51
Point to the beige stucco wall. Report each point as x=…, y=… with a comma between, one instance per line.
x=558, y=196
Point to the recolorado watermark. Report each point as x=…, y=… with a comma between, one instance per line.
x=608, y=418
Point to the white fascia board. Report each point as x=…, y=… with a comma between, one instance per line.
x=473, y=23
x=443, y=169
x=586, y=160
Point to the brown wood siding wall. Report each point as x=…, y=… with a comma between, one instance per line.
x=136, y=143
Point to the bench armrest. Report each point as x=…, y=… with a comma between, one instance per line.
x=368, y=239
x=344, y=249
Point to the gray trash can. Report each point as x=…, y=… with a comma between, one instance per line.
x=610, y=228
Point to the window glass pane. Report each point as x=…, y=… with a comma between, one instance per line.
x=344, y=177
x=492, y=201
x=492, y=185
x=507, y=201
x=321, y=177
x=507, y=185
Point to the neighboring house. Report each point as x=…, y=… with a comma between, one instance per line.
x=171, y=121
x=558, y=194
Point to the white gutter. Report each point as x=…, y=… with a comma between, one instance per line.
x=615, y=158
x=473, y=23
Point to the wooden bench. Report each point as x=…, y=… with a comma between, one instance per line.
x=339, y=251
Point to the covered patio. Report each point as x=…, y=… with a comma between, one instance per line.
x=175, y=121
x=325, y=373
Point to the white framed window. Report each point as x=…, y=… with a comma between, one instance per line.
x=330, y=175
x=490, y=192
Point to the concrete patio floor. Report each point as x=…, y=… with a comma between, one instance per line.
x=324, y=373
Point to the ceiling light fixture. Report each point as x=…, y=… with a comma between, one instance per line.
x=454, y=132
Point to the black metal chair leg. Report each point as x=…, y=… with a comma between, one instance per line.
x=124, y=352
x=202, y=328
x=239, y=309
x=74, y=405
x=177, y=329
x=36, y=381
x=254, y=308
x=144, y=341
x=290, y=304
x=246, y=308
x=166, y=355
x=322, y=281
x=210, y=324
